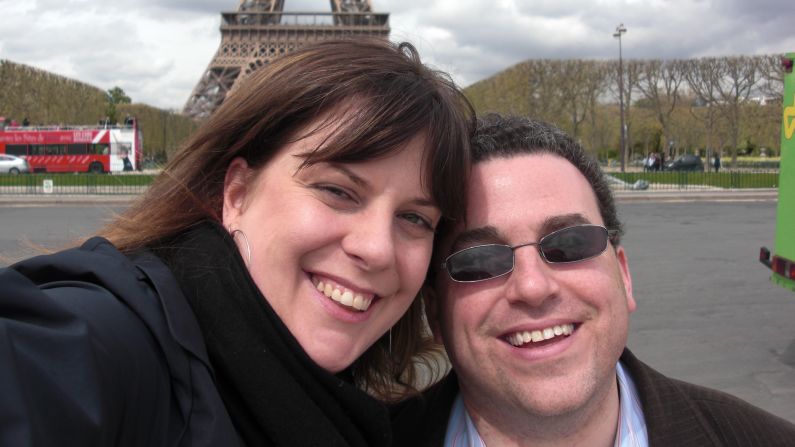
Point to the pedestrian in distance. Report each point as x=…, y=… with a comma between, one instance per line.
x=264, y=290
x=716, y=161
x=657, y=163
x=125, y=160
x=650, y=162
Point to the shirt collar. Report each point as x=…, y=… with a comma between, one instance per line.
x=631, y=423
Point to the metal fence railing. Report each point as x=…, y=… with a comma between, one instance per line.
x=74, y=184
x=131, y=184
x=684, y=180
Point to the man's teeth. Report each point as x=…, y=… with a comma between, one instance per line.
x=345, y=296
x=520, y=338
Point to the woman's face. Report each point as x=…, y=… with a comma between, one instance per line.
x=339, y=250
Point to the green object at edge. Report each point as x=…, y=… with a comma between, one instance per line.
x=785, y=213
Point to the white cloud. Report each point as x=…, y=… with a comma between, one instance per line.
x=157, y=51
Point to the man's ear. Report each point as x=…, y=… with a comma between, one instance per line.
x=235, y=188
x=623, y=265
x=432, y=311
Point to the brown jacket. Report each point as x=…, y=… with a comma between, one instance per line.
x=676, y=413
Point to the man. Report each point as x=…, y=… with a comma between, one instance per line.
x=532, y=297
x=125, y=159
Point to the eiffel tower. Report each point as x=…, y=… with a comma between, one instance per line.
x=260, y=31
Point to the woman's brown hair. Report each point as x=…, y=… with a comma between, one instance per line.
x=387, y=96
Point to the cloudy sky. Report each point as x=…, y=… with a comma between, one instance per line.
x=156, y=50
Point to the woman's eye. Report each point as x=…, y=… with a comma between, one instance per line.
x=335, y=191
x=416, y=219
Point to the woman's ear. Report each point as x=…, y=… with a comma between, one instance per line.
x=235, y=188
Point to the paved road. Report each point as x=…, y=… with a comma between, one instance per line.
x=30, y=230
x=707, y=312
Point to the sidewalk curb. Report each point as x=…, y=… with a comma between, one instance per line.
x=731, y=195
x=58, y=199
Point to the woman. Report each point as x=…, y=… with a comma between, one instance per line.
x=265, y=279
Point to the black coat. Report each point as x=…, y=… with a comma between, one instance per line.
x=676, y=413
x=92, y=354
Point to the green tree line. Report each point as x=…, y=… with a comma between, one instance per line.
x=45, y=98
x=729, y=104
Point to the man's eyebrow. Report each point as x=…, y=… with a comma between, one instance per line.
x=553, y=223
x=489, y=234
x=474, y=236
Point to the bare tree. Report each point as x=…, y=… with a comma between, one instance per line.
x=703, y=77
x=771, y=75
x=734, y=89
x=573, y=90
x=632, y=74
x=543, y=98
x=659, y=83
x=596, y=84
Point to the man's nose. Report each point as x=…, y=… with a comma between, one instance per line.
x=532, y=280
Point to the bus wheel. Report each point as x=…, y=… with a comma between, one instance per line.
x=13, y=171
x=95, y=168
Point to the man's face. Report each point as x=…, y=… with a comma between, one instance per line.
x=514, y=201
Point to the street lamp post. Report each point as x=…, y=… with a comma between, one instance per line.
x=620, y=29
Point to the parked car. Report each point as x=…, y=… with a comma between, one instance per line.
x=686, y=163
x=11, y=164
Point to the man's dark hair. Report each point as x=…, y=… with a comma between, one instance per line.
x=500, y=136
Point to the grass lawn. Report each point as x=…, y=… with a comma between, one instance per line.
x=81, y=179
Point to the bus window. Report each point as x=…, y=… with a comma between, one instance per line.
x=100, y=149
x=17, y=149
x=56, y=149
x=77, y=149
x=38, y=149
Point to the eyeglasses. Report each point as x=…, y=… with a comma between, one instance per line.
x=571, y=244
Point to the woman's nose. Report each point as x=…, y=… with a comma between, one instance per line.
x=371, y=240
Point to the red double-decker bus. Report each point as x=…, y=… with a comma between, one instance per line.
x=96, y=149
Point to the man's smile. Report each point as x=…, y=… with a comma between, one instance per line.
x=538, y=335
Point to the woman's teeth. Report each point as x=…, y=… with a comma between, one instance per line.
x=523, y=337
x=344, y=296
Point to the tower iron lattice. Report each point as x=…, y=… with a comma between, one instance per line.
x=261, y=31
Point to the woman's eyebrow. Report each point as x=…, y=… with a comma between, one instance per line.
x=361, y=182
x=350, y=174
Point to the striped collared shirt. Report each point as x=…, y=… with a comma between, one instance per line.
x=461, y=431
x=631, y=423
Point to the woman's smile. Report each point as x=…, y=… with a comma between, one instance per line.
x=348, y=298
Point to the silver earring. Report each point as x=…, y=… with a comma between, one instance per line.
x=234, y=233
x=390, y=342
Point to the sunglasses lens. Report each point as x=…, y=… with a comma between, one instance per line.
x=574, y=244
x=479, y=263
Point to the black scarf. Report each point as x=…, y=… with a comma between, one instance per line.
x=275, y=394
